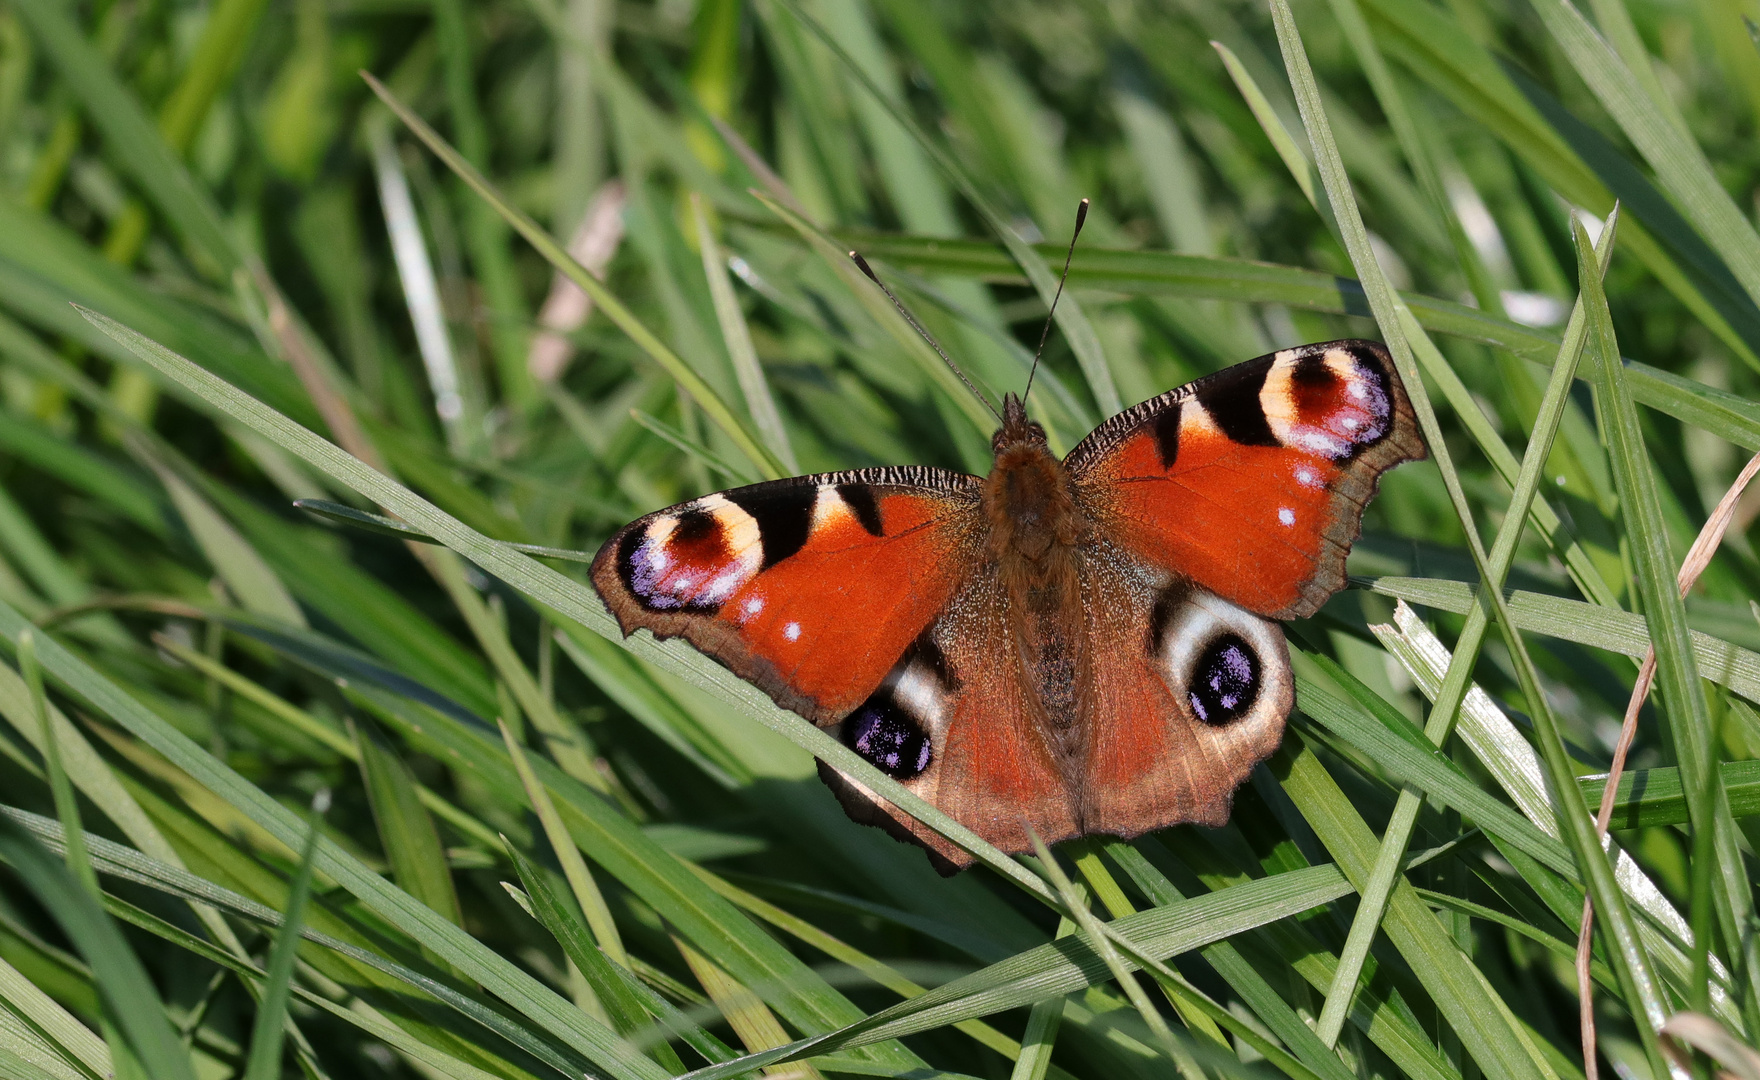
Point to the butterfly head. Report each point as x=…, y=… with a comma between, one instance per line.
x=1016, y=429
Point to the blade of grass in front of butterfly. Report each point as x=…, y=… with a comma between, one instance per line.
x=1040, y=1035
x=1160, y=273
x=1631, y=963
x=614, y=309
x=738, y=339
x=263, y=1061
x=1102, y=944
x=1443, y=713
x=1241, y=976
x=1490, y=1039
x=1728, y=908
x=1102, y=885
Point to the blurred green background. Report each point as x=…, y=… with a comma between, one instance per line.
x=219, y=178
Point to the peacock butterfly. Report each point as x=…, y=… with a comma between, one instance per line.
x=1079, y=646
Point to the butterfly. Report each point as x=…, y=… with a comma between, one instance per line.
x=1085, y=645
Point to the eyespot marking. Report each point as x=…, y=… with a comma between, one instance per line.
x=1332, y=403
x=887, y=737
x=1225, y=681
x=692, y=560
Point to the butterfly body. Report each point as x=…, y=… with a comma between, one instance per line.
x=1072, y=646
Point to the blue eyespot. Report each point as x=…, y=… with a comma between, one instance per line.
x=887, y=737
x=1225, y=681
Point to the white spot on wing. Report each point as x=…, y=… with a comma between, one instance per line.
x=792, y=631
x=1308, y=477
x=1286, y=516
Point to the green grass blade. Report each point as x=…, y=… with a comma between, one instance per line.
x=406, y=832
x=739, y=474
x=1440, y=723
x=264, y=1060
x=607, y=302
x=1295, y=158
x=136, y=139
x=129, y=997
x=738, y=339
x=574, y=868
x=1101, y=943
x=1677, y=673
x=79, y=864
x=609, y=986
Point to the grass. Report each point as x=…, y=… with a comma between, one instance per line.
x=234, y=274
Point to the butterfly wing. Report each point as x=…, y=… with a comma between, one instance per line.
x=810, y=588
x=1251, y=482
x=956, y=724
x=1186, y=693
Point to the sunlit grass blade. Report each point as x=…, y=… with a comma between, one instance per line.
x=1511, y=760
x=1723, y=905
x=79, y=864
x=1440, y=723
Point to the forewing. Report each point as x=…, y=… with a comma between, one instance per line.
x=809, y=588
x=1251, y=482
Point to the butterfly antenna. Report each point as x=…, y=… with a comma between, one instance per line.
x=1081, y=217
x=924, y=334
